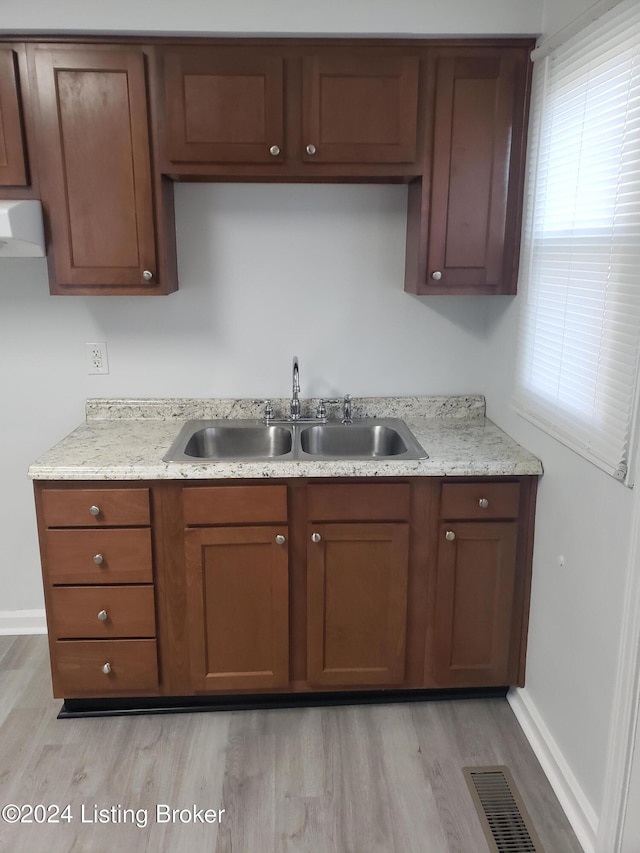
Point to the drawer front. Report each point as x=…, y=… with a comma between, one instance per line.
x=98, y=556
x=125, y=611
x=359, y=502
x=234, y=504
x=111, y=507
x=78, y=667
x=480, y=500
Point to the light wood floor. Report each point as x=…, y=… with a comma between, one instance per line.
x=368, y=779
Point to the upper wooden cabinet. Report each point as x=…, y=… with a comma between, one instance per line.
x=291, y=111
x=96, y=175
x=223, y=105
x=109, y=126
x=360, y=108
x=464, y=215
x=13, y=160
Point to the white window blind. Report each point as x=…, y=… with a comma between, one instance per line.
x=579, y=343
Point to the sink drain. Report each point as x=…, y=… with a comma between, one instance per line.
x=506, y=823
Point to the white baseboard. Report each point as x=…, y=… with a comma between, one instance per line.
x=576, y=806
x=13, y=622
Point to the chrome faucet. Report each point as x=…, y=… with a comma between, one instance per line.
x=294, y=411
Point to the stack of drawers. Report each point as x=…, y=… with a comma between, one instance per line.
x=98, y=576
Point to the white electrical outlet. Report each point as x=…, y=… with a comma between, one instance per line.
x=97, y=358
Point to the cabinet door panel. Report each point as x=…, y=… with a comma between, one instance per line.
x=96, y=173
x=357, y=604
x=475, y=111
x=238, y=602
x=360, y=109
x=13, y=167
x=223, y=105
x=474, y=603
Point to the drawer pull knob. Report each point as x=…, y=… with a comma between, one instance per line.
x=98, y=559
x=315, y=537
x=94, y=510
x=106, y=668
x=280, y=539
x=147, y=275
x=311, y=149
x=103, y=616
x=449, y=535
x=436, y=275
x=274, y=150
x=483, y=503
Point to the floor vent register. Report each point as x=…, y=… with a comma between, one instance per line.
x=507, y=824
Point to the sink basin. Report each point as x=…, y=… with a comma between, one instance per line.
x=243, y=440
x=365, y=438
x=350, y=440
x=252, y=440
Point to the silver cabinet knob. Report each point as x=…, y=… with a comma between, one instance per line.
x=315, y=537
x=98, y=559
x=483, y=503
x=274, y=150
x=94, y=510
x=449, y=535
x=280, y=540
x=103, y=616
x=106, y=668
x=147, y=275
x=436, y=276
x=311, y=149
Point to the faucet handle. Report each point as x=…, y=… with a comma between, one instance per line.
x=346, y=410
x=268, y=409
x=321, y=408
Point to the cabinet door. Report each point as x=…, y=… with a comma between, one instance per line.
x=359, y=109
x=356, y=604
x=223, y=106
x=463, y=229
x=13, y=167
x=474, y=116
x=238, y=603
x=474, y=603
x=96, y=173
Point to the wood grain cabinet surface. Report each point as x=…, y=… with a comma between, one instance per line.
x=110, y=126
x=357, y=604
x=13, y=159
x=97, y=179
x=289, y=111
x=479, y=583
x=464, y=215
x=97, y=567
x=295, y=586
x=238, y=588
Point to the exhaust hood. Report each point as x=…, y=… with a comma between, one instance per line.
x=21, y=230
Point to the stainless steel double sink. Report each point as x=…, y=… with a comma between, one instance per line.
x=253, y=440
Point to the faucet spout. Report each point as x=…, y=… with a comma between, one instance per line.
x=295, y=401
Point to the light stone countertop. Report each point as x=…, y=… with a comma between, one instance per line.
x=126, y=440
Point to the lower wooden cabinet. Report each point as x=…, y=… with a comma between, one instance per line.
x=357, y=604
x=474, y=602
x=295, y=586
x=238, y=597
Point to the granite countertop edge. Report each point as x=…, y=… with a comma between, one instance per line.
x=126, y=440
